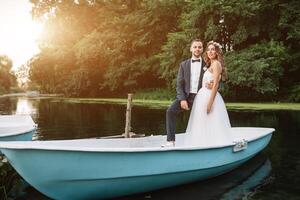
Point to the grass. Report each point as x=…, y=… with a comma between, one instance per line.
x=263, y=106
x=137, y=102
x=157, y=94
x=162, y=104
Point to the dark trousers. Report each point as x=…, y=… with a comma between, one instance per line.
x=172, y=113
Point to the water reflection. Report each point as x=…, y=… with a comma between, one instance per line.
x=7, y=106
x=248, y=187
x=236, y=184
x=25, y=106
x=58, y=120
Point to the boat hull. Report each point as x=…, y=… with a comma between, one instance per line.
x=25, y=136
x=74, y=174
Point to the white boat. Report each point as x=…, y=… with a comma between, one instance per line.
x=16, y=127
x=106, y=168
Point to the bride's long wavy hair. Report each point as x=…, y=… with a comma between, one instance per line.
x=220, y=57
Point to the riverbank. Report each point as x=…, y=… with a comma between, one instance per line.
x=159, y=104
x=165, y=103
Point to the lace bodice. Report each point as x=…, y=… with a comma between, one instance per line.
x=207, y=77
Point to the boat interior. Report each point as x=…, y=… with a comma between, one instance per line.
x=152, y=142
x=12, y=124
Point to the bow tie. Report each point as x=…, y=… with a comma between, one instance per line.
x=198, y=60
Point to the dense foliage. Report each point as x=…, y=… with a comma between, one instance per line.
x=111, y=47
x=7, y=78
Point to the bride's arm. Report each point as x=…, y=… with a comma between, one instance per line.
x=217, y=69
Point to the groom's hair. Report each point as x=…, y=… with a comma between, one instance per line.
x=196, y=40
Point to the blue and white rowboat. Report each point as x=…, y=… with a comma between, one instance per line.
x=106, y=168
x=16, y=127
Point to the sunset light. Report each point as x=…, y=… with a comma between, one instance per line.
x=103, y=99
x=19, y=33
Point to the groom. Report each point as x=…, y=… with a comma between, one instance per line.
x=189, y=81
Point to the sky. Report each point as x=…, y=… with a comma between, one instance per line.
x=18, y=32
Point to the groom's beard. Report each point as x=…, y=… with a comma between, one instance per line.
x=196, y=55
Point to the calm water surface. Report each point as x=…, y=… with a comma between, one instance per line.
x=273, y=174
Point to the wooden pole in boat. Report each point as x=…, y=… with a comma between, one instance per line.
x=128, y=116
x=128, y=133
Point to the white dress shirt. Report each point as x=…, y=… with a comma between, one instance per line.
x=195, y=75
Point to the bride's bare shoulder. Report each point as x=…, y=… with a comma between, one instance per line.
x=216, y=65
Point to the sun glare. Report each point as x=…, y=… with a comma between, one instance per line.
x=18, y=32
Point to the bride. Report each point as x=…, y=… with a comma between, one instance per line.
x=209, y=124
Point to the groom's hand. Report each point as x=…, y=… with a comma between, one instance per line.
x=184, y=105
x=209, y=85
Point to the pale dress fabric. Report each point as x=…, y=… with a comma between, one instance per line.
x=211, y=129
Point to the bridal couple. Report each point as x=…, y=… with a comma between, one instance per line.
x=197, y=89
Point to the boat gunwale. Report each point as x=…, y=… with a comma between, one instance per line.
x=10, y=122
x=2, y=135
x=14, y=145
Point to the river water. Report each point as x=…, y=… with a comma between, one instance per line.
x=273, y=174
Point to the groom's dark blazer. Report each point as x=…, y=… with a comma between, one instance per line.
x=183, y=79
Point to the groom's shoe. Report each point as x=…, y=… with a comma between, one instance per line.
x=169, y=144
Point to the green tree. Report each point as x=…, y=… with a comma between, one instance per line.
x=114, y=54
x=257, y=68
x=242, y=27
x=124, y=43
x=65, y=24
x=7, y=78
x=289, y=28
x=96, y=48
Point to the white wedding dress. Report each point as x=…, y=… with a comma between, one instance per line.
x=211, y=129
